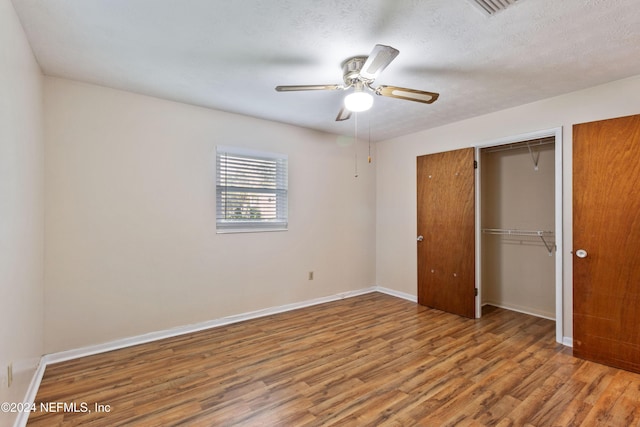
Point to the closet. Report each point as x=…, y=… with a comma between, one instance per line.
x=517, y=224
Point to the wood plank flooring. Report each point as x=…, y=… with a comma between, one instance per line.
x=371, y=360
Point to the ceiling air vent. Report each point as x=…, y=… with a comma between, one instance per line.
x=491, y=7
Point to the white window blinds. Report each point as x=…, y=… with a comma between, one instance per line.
x=251, y=190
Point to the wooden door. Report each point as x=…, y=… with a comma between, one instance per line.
x=446, y=222
x=606, y=226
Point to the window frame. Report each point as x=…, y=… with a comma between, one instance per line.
x=277, y=184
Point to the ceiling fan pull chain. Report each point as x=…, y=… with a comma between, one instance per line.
x=369, y=158
x=355, y=145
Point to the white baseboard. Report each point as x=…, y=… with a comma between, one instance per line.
x=30, y=395
x=523, y=310
x=395, y=293
x=196, y=327
x=566, y=341
x=63, y=356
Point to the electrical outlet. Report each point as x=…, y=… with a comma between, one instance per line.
x=9, y=374
x=311, y=275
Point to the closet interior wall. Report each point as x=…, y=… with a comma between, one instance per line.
x=518, y=271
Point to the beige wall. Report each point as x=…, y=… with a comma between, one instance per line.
x=129, y=208
x=130, y=217
x=21, y=208
x=517, y=271
x=396, y=175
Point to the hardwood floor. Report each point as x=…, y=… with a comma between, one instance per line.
x=371, y=360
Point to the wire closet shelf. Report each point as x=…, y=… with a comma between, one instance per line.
x=543, y=235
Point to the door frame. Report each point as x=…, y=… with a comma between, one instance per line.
x=559, y=238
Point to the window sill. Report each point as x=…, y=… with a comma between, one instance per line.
x=249, y=230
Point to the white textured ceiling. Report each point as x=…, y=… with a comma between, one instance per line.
x=230, y=54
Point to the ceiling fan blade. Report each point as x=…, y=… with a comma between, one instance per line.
x=294, y=88
x=407, y=94
x=378, y=59
x=343, y=115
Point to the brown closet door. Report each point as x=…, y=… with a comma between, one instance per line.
x=446, y=222
x=606, y=226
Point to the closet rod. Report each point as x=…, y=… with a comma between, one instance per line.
x=534, y=233
x=523, y=144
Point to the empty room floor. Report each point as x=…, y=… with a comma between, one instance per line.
x=371, y=360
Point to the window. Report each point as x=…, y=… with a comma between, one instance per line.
x=251, y=190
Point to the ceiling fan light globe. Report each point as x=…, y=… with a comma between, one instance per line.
x=358, y=101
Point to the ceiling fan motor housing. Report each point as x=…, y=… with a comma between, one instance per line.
x=351, y=70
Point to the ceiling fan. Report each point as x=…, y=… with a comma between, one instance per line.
x=360, y=72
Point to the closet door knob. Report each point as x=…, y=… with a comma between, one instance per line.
x=420, y=238
x=581, y=253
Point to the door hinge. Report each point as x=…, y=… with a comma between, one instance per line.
x=476, y=291
x=475, y=164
